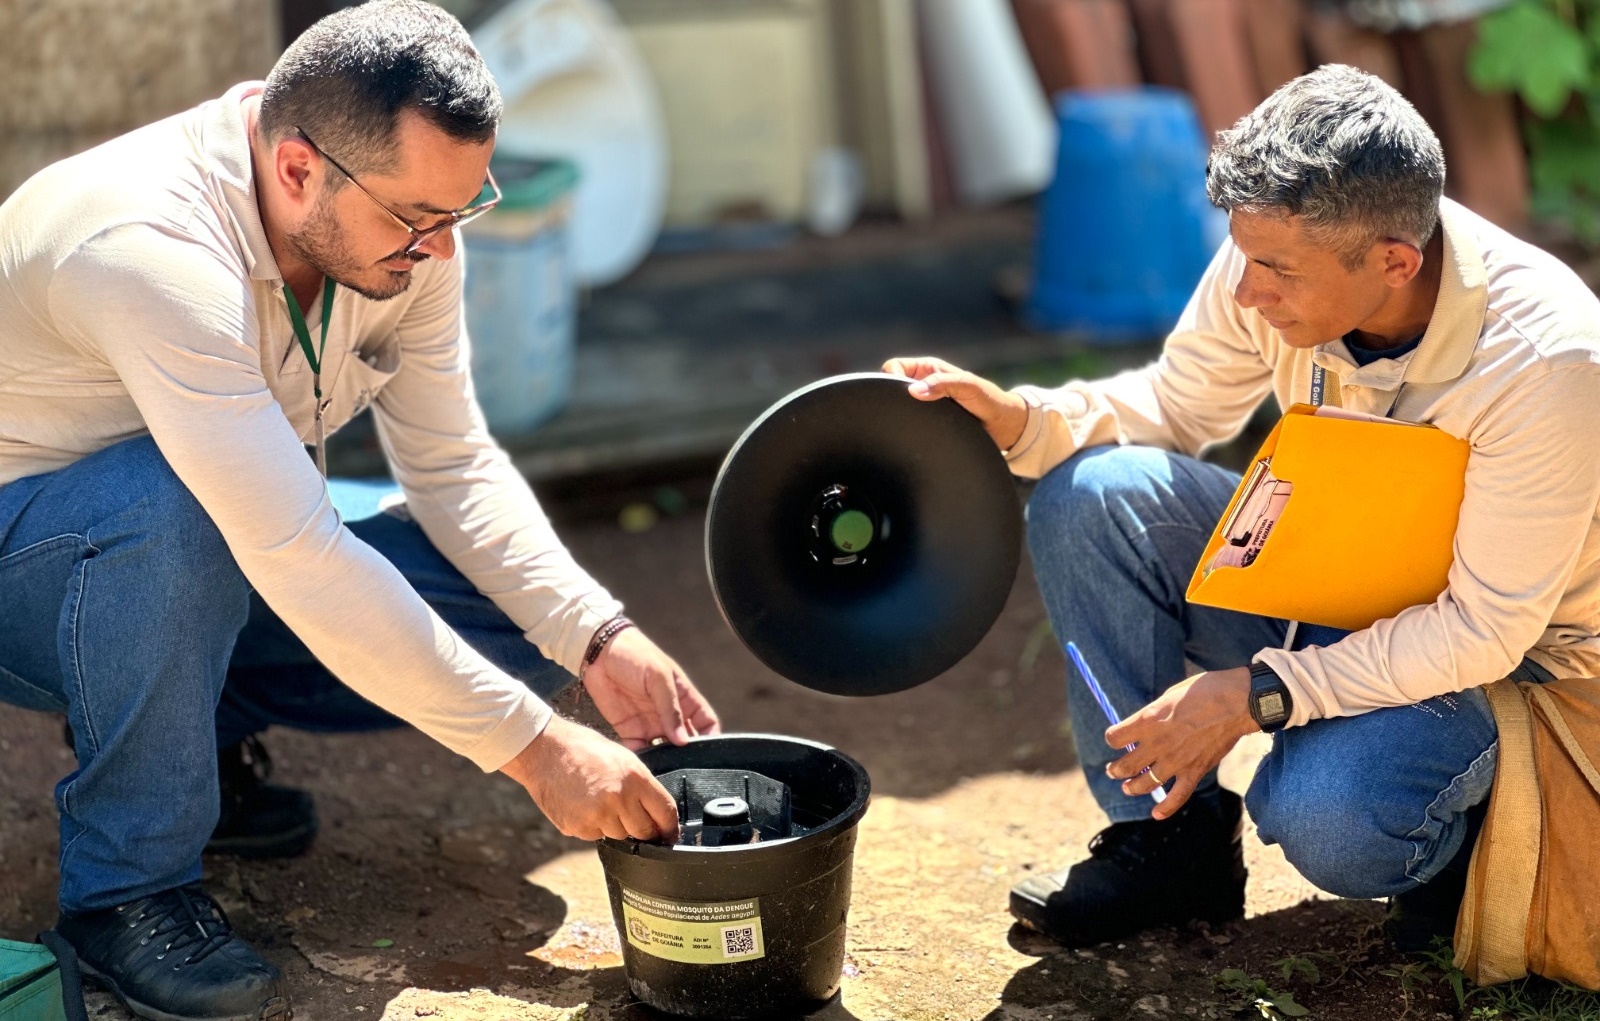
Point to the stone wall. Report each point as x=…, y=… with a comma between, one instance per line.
x=76, y=72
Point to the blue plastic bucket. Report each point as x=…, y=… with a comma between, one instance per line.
x=521, y=297
x=1124, y=231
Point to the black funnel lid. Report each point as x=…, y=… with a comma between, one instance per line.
x=861, y=541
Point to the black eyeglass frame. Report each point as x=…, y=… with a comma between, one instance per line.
x=419, y=235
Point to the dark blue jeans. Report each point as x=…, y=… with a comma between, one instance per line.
x=121, y=606
x=1364, y=806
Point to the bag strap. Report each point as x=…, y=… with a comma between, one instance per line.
x=1492, y=928
x=1548, y=708
x=71, y=975
x=1569, y=741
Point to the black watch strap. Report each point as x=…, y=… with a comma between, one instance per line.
x=1270, y=702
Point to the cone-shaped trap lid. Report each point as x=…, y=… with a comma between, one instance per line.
x=861, y=541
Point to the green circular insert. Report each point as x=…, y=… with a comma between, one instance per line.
x=851, y=531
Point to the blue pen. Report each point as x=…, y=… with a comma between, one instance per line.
x=1159, y=794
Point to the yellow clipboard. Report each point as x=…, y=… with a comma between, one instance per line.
x=1367, y=530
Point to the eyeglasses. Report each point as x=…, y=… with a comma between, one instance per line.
x=419, y=235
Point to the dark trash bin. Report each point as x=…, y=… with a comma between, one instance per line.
x=745, y=916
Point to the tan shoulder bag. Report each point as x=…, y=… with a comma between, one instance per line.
x=1533, y=888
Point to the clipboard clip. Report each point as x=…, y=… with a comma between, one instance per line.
x=1246, y=529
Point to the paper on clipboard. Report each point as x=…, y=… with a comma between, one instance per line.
x=1328, y=411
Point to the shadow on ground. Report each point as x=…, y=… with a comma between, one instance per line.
x=1178, y=972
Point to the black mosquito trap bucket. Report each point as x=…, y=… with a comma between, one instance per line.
x=744, y=917
x=858, y=542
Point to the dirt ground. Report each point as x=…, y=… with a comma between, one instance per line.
x=437, y=892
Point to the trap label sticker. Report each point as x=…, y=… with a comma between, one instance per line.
x=693, y=932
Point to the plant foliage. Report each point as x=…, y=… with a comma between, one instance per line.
x=1548, y=53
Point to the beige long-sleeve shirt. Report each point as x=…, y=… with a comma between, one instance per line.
x=138, y=294
x=1510, y=363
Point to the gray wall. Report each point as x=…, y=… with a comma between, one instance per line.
x=76, y=72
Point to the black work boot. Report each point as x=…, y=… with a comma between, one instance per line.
x=259, y=819
x=174, y=957
x=1418, y=919
x=1145, y=874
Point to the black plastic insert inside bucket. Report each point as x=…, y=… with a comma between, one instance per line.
x=723, y=807
x=745, y=916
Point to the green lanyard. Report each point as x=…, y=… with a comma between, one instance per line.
x=314, y=358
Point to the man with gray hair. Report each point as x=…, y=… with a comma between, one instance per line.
x=1347, y=280
x=182, y=311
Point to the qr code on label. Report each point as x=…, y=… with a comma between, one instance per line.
x=739, y=942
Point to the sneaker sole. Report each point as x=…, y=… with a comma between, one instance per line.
x=1032, y=915
x=277, y=1008
x=291, y=844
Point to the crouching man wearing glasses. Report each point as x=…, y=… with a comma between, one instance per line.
x=182, y=311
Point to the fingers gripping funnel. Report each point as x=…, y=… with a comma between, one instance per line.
x=861, y=541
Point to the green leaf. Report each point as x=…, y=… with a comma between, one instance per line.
x=383, y=944
x=1565, y=155
x=1548, y=87
x=1292, y=966
x=1580, y=215
x=1285, y=1004
x=1529, y=49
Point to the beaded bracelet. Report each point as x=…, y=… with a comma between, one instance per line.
x=603, y=635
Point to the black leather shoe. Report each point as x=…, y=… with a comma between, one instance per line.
x=259, y=819
x=1420, y=919
x=174, y=957
x=1145, y=874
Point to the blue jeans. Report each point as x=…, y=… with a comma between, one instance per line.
x=121, y=606
x=1363, y=806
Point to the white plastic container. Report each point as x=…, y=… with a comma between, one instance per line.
x=745, y=95
x=997, y=122
x=576, y=88
x=521, y=296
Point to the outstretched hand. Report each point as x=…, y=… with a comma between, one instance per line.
x=645, y=695
x=1004, y=415
x=1182, y=736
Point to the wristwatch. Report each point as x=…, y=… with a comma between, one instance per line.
x=1270, y=702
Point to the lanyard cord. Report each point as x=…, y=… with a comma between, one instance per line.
x=298, y=320
x=1319, y=387
x=314, y=358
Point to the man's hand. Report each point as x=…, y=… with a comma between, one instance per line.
x=591, y=787
x=644, y=695
x=1182, y=736
x=1003, y=414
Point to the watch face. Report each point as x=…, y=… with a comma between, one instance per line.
x=1270, y=706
